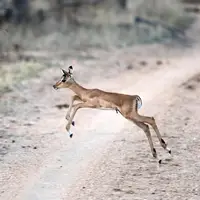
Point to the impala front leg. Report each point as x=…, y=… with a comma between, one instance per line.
x=74, y=98
x=78, y=106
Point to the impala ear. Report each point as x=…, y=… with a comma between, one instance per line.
x=70, y=70
x=64, y=72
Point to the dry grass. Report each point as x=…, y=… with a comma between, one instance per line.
x=102, y=31
x=171, y=12
x=11, y=74
x=103, y=28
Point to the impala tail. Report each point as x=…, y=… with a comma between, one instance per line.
x=139, y=102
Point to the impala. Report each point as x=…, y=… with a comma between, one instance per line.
x=127, y=105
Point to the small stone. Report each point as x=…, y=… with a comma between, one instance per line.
x=129, y=67
x=159, y=62
x=13, y=121
x=143, y=63
x=190, y=87
x=28, y=124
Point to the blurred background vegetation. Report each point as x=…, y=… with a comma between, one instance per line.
x=40, y=26
x=100, y=23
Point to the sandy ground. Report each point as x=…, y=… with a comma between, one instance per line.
x=108, y=157
x=127, y=170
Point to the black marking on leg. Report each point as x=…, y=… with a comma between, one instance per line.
x=170, y=152
x=160, y=161
x=73, y=123
x=162, y=141
x=154, y=153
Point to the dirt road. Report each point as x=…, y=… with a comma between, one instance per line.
x=108, y=158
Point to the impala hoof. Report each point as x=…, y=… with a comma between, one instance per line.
x=73, y=123
x=169, y=150
x=71, y=135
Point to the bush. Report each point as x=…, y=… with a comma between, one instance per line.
x=104, y=28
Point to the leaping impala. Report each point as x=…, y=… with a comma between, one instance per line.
x=127, y=105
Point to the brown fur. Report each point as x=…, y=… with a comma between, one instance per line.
x=96, y=98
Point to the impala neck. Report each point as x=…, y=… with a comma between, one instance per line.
x=77, y=88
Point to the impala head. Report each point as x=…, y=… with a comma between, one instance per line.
x=66, y=79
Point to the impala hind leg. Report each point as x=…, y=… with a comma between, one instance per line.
x=152, y=122
x=145, y=128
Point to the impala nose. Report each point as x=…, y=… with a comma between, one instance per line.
x=54, y=86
